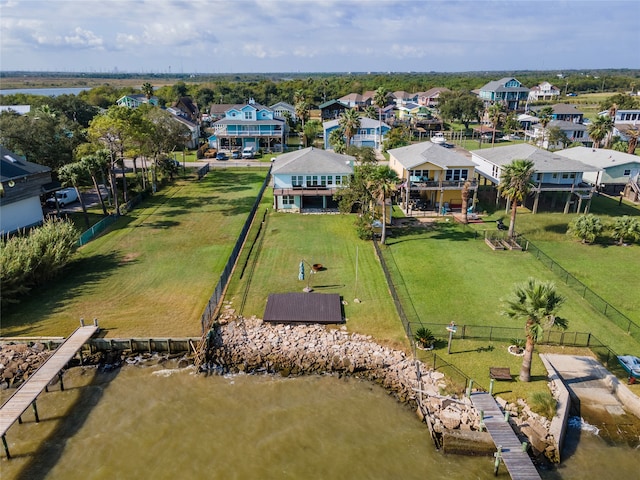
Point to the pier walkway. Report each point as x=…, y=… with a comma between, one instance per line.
x=516, y=460
x=27, y=393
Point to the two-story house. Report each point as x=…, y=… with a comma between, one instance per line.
x=284, y=109
x=556, y=178
x=331, y=109
x=562, y=111
x=545, y=91
x=370, y=134
x=575, y=132
x=431, y=97
x=21, y=185
x=433, y=177
x=249, y=125
x=354, y=100
x=307, y=179
x=616, y=170
x=507, y=91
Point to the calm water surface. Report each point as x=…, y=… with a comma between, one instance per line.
x=47, y=92
x=171, y=424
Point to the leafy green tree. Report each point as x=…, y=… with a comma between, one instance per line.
x=382, y=184
x=625, y=227
x=599, y=129
x=557, y=136
x=515, y=185
x=536, y=303
x=460, y=105
x=399, y=136
x=586, y=228
x=370, y=112
x=312, y=129
x=349, y=121
x=620, y=100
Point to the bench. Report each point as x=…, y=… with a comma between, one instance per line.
x=500, y=373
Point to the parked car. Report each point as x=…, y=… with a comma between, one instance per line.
x=64, y=196
x=248, y=152
x=235, y=154
x=221, y=156
x=512, y=137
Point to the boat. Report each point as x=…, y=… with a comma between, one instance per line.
x=438, y=138
x=631, y=365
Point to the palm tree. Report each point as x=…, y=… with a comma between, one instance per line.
x=336, y=140
x=382, y=183
x=599, y=129
x=465, y=201
x=515, y=185
x=350, y=123
x=545, y=115
x=380, y=101
x=495, y=113
x=586, y=228
x=71, y=173
x=535, y=302
x=147, y=89
x=625, y=227
x=632, y=133
x=95, y=164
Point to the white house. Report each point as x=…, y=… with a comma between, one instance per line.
x=370, y=134
x=21, y=184
x=556, y=177
x=544, y=91
x=307, y=179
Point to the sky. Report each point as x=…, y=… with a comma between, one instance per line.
x=254, y=36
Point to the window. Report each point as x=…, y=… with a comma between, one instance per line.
x=297, y=180
x=565, y=175
x=495, y=171
x=456, y=174
x=538, y=177
x=572, y=175
x=323, y=180
x=288, y=200
x=627, y=172
x=330, y=180
x=248, y=115
x=555, y=175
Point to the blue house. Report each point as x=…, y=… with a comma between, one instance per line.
x=250, y=125
x=508, y=91
x=371, y=133
x=307, y=179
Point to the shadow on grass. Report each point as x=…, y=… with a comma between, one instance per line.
x=20, y=318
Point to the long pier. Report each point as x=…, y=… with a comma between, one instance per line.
x=28, y=392
x=511, y=451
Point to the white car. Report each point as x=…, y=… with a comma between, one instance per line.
x=64, y=196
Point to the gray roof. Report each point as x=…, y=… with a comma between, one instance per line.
x=599, y=157
x=13, y=166
x=544, y=160
x=313, y=160
x=499, y=86
x=365, y=122
x=559, y=108
x=566, y=125
x=419, y=153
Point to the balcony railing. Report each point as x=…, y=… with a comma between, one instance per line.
x=319, y=190
x=444, y=184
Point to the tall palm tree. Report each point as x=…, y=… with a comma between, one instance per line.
x=632, y=133
x=380, y=101
x=465, y=201
x=382, y=183
x=495, y=113
x=545, y=115
x=515, y=185
x=350, y=123
x=147, y=89
x=535, y=302
x=599, y=129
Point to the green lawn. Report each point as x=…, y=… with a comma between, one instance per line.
x=331, y=241
x=155, y=269
x=609, y=270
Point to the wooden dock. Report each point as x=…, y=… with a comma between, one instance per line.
x=516, y=460
x=27, y=393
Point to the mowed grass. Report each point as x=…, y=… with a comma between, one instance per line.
x=611, y=271
x=329, y=240
x=154, y=271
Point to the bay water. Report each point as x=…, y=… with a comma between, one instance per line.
x=166, y=423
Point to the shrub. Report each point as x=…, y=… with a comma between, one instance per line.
x=543, y=404
x=33, y=259
x=586, y=228
x=425, y=337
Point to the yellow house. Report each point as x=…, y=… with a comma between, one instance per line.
x=433, y=177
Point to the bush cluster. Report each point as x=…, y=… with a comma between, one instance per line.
x=35, y=258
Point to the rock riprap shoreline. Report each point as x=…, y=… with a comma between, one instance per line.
x=253, y=346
